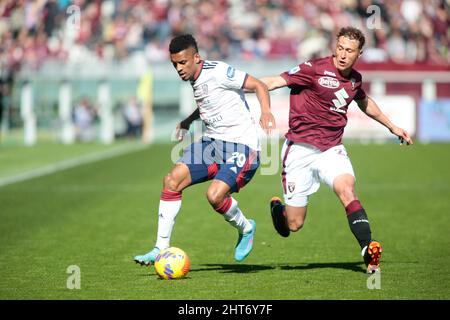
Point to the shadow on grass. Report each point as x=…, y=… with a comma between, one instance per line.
x=233, y=268
x=353, y=266
x=251, y=268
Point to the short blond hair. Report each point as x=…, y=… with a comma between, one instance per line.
x=353, y=34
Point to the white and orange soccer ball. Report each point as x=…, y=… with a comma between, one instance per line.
x=172, y=263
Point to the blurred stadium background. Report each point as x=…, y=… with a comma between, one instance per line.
x=85, y=80
x=99, y=70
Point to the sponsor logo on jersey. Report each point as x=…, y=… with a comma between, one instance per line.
x=308, y=63
x=294, y=70
x=230, y=72
x=328, y=82
x=329, y=73
x=213, y=121
x=338, y=109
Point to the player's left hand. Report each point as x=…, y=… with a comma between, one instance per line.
x=267, y=122
x=181, y=129
x=402, y=135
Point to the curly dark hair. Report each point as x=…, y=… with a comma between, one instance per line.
x=182, y=42
x=352, y=33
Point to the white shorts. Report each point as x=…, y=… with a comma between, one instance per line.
x=305, y=167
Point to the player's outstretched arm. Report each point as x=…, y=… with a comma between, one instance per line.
x=274, y=82
x=267, y=120
x=186, y=123
x=369, y=107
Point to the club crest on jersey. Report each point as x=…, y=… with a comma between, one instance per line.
x=230, y=72
x=291, y=186
x=328, y=82
x=294, y=70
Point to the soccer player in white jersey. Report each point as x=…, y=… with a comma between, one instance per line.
x=228, y=152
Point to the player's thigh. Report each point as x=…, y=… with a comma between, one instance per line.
x=238, y=167
x=298, y=177
x=195, y=158
x=335, y=163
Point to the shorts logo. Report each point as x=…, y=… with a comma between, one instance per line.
x=328, y=82
x=230, y=72
x=291, y=186
x=341, y=152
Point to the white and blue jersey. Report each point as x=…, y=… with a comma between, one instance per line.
x=229, y=149
x=219, y=94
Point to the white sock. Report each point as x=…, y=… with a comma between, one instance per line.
x=236, y=218
x=169, y=206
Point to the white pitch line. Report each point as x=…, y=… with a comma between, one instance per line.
x=67, y=164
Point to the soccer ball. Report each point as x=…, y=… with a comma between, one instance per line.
x=172, y=263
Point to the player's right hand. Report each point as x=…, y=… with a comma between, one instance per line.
x=267, y=122
x=402, y=135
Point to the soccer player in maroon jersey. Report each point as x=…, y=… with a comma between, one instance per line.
x=321, y=91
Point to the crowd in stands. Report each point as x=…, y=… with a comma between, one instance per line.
x=402, y=31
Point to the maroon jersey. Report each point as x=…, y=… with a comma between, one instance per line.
x=319, y=99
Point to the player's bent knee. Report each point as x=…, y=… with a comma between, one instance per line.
x=346, y=194
x=214, y=197
x=170, y=183
x=344, y=184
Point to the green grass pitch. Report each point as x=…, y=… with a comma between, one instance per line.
x=98, y=216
